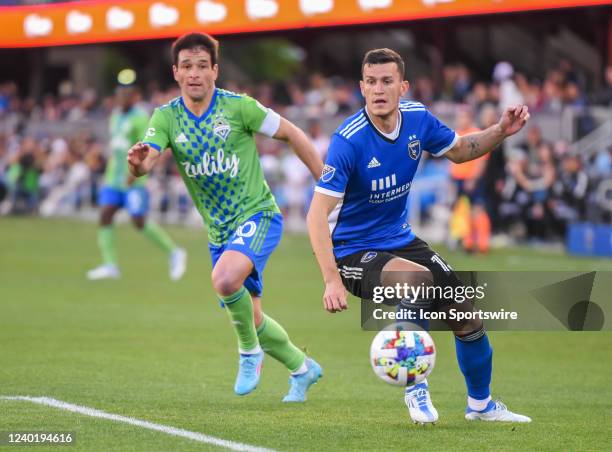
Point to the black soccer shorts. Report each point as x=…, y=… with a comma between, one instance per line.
x=361, y=271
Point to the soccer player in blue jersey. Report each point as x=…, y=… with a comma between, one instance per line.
x=358, y=221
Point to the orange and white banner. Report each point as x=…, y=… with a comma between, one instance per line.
x=103, y=21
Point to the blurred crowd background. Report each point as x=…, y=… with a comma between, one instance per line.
x=557, y=172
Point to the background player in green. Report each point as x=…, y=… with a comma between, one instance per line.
x=212, y=136
x=128, y=123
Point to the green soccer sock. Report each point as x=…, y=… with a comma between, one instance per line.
x=106, y=243
x=157, y=235
x=240, y=308
x=275, y=342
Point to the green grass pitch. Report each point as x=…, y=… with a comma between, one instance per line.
x=164, y=352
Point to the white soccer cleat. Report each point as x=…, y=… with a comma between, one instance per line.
x=419, y=404
x=105, y=271
x=495, y=411
x=177, y=264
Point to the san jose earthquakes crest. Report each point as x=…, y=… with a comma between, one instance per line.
x=414, y=149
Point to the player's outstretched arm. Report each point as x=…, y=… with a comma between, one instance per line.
x=474, y=145
x=301, y=145
x=141, y=159
x=335, y=295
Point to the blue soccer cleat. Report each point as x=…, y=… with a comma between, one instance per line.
x=299, y=384
x=249, y=371
x=495, y=411
x=419, y=404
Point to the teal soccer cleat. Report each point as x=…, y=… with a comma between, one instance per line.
x=249, y=371
x=299, y=384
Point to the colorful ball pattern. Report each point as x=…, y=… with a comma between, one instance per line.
x=403, y=358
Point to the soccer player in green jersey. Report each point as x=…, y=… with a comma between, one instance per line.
x=211, y=133
x=128, y=123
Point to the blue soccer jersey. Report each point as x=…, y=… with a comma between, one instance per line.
x=371, y=172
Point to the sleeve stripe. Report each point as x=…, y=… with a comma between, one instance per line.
x=359, y=118
x=354, y=131
x=447, y=148
x=157, y=147
x=348, y=130
x=411, y=104
x=270, y=124
x=325, y=191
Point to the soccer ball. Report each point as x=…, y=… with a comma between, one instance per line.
x=402, y=358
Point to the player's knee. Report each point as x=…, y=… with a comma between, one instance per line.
x=106, y=216
x=138, y=222
x=225, y=283
x=410, y=276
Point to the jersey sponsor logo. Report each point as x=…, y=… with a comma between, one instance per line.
x=384, y=183
x=213, y=164
x=181, y=138
x=328, y=173
x=221, y=127
x=367, y=257
x=373, y=163
x=246, y=230
x=414, y=148
x=385, y=189
x=150, y=132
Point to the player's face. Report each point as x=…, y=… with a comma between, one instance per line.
x=382, y=86
x=194, y=73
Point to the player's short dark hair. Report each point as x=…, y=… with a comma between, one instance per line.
x=384, y=56
x=193, y=41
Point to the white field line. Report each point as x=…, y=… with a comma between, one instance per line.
x=92, y=412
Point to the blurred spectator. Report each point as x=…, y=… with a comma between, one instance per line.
x=535, y=175
x=531, y=145
x=573, y=97
x=22, y=177
x=604, y=95
x=470, y=223
x=568, y=196
x=509, y=94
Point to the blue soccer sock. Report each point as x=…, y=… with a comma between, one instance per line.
x=475, y=357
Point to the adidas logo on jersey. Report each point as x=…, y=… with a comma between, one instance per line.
x=181, y=138
x=373, y=163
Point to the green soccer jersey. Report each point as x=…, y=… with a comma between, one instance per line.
x=217, y=157
x=125, y=129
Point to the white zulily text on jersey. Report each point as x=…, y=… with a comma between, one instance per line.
x=211, y=165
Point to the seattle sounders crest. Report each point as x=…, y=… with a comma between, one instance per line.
x=221, y=127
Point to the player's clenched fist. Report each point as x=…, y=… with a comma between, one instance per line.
x=137, y=154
